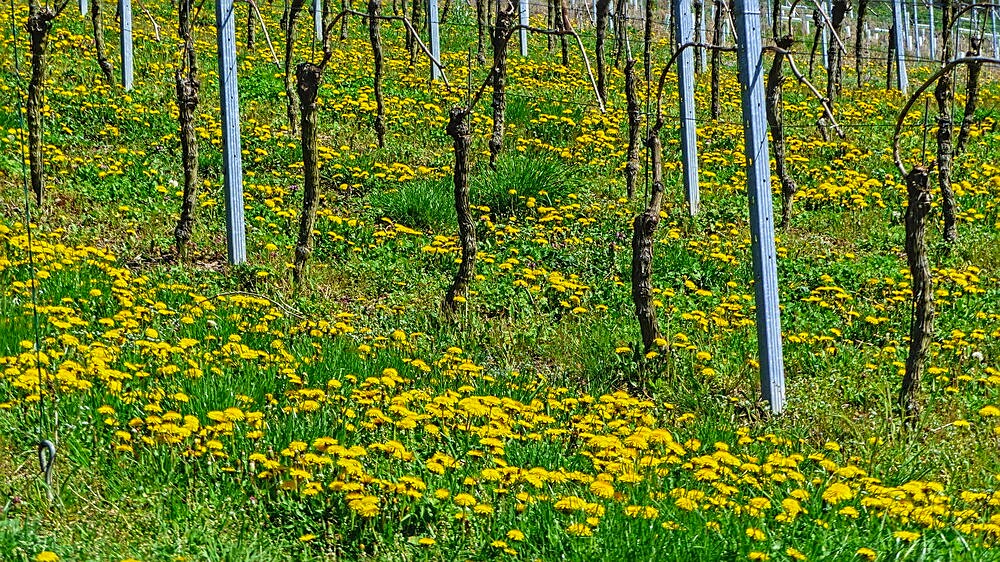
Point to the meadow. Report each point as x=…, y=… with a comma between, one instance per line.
x=203, y=411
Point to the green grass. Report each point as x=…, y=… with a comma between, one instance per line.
x=362, y=355
x=423, y=205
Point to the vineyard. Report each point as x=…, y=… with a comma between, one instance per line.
x=499, y=280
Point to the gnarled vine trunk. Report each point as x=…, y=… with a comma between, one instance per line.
x=835, y=57
x=308, y=77
x=186, y=88
x=38, y=26
x=971, y=95
x=647, y=40
x=97, y=20
x=603, y=9
x=775, y=121
x=458, y=130
x=643, y=230
x=501, y=32
x=292, y=100
x=550, y=24
x=922, y=320
x=251, y=29
x=416, y=20
x=561, y=18
x=944, y=96
x=376, y=40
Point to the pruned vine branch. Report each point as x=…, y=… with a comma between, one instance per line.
x=920, y=91
x=827, y=109
x=406, y=23
x=670, y=62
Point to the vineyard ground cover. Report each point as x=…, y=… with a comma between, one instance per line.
x=351, y=421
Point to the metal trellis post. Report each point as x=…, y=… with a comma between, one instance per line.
x=435, y=28
x=523, y=14
x=897, y=21
x=930, y=30
x=83, y=7
x=225, y=21
x=825, y=36
x=758, y=171
x=906, y=25
x=318, y=18
x=125, y=8
x=993, y=26
x=684, y=20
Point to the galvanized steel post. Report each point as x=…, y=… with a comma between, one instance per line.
x=825, y=34
x=931, y=34
x=318, y=18
x=83, y=7
x=125, y=8
x=523, y=13
x=684, y=20
x=993, y=24
x=897, y=22
x=758, y=171
x=435, y=25
x=906, y=25
x=232, y=156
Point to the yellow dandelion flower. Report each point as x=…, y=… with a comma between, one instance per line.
x=47, y=556
x=866, y=553
x=990, y=412
x=580, y=530
x=755, y=534
x=755, y=555
x=686, y=503
x=465, y=500
x=307, y=537
x=837, y=492
x=602, y=489
x=849, y=512
x=483, y=509
x=908, y=536
x=515, y=535
x=795, y=554
x=365, y=506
